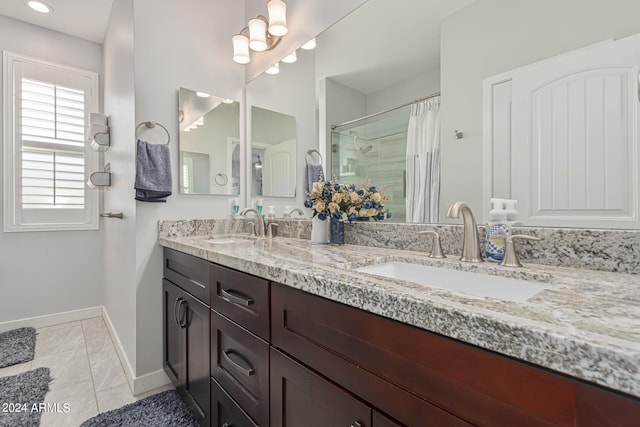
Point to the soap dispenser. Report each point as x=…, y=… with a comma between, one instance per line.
x=512, y=213
x=498, y=229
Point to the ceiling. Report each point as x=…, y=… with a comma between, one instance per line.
x=86, y=19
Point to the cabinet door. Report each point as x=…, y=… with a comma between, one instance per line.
x=300, y=397
x=196, y=323
x=174, y=338
x=186, y=347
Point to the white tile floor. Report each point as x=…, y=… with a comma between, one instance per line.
x=85, y=368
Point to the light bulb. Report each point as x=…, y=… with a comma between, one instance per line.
x=39, y=6
x=291, y=58
x=241, y=49
x=277, y=17
x=274, y=69
x=311, y=44
x=257, y=34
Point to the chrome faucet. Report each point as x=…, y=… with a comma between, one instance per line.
x=296, y=210
x=470, y=239
x=260, y=219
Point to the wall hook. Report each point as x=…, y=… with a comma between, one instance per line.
x=458, y=134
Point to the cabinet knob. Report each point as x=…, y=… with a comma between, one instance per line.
x=227, y=425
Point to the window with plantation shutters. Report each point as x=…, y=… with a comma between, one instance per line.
x=47, y=158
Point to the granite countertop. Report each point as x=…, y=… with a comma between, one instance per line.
x=585, y=324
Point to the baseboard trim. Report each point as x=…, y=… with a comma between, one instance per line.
x=143, y=383
x=128, y=370
x=150, y=382
x=52, y=319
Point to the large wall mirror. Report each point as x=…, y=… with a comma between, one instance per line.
x=273, y=153
x=209, y=143
x=450, y=47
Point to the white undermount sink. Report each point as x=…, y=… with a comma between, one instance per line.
x=477, y=284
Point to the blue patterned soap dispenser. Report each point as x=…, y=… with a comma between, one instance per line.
x=498, y=230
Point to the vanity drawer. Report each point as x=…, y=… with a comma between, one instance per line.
x=225, y=412
x=242, y=298
x=240, y=364
x=188, y=272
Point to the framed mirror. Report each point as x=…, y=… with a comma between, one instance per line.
x=273, y=153
x=209, y=143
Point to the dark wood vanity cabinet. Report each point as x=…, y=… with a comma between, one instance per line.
x=423, y=379
x=267, y=354
x=186, y=331
x=239, y=347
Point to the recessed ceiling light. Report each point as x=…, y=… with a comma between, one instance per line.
x=39, y=6
x=202, y=95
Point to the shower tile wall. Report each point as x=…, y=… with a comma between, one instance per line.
x=383, y=164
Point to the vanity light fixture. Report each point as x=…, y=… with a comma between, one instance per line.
x=261, y=33
x=274, y=69
x=39, y=6
x=311, y=44
x=291, y=58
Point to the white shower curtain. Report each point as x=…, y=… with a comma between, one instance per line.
x=423, y=161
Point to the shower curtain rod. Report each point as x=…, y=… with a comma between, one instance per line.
x=433, y=95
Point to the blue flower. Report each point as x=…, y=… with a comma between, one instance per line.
x=336, y=186
x=388, y=214
x=360, y=192
x=352, y=187
x=380, y=216
x=308, y=204
x=372, y=189
x=375, y=205
x=326, y=192
x=336, y=215
x=352, y=217
x=327, y=183
x=367, y=205
x=322, y=216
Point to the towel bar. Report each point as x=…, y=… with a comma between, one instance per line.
x=151, y=125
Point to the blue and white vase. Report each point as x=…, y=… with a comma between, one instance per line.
x=336, y=231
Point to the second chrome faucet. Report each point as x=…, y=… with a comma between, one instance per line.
x=470, y=240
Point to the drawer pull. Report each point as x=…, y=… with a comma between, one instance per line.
x=227, y=354
x=357, y=424
x=176, y=304
x=227, y=425
x=235, y=297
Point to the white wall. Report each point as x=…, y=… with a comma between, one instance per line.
x=494, y=36
x=48, y=272
x=417, y=87
x=195, y=53
x=119, y=235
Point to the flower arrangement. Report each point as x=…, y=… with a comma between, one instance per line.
x=330, y=199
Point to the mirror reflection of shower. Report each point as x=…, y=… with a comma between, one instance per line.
x=374, y=148
x=363, y=150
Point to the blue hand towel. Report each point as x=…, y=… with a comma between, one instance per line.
x=153, y=172
x=313, y=174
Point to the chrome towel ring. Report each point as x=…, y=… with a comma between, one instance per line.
x=151, y=125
